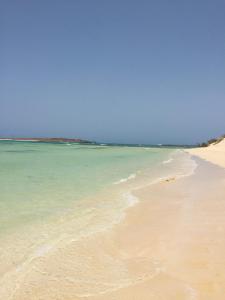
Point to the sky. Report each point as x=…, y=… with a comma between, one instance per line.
x=144, y=71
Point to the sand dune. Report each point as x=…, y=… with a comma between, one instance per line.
x=214, y=153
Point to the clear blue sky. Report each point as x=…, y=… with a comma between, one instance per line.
x=126, y=71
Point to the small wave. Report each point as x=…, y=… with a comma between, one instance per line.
x=122, y=180
x=167, y=161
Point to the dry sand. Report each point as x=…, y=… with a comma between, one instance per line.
x=171, y=246
x=214, y=153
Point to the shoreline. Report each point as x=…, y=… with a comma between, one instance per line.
x=182, y=256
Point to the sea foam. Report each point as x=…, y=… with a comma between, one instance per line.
x=122, y=180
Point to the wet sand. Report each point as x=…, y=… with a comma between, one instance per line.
x=169, y=246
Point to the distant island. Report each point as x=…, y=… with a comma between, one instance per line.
x=82, y=141
x=49, y=140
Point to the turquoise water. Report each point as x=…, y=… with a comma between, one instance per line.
x=40, y=180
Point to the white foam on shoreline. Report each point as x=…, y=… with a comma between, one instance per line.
x=167, y=161
x=122, y=180
x=131, y=199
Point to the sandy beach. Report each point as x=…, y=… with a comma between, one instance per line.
x=112, y=150
x=169, y=246
x=175, y=239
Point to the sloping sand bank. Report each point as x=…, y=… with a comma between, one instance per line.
x=214, y=153
x=176, y=240
x=170, y=246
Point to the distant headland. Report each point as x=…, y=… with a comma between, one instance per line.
x=49, y=140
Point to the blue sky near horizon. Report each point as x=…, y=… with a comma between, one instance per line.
x=114, y=71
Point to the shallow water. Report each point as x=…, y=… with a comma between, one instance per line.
x=38, y=180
